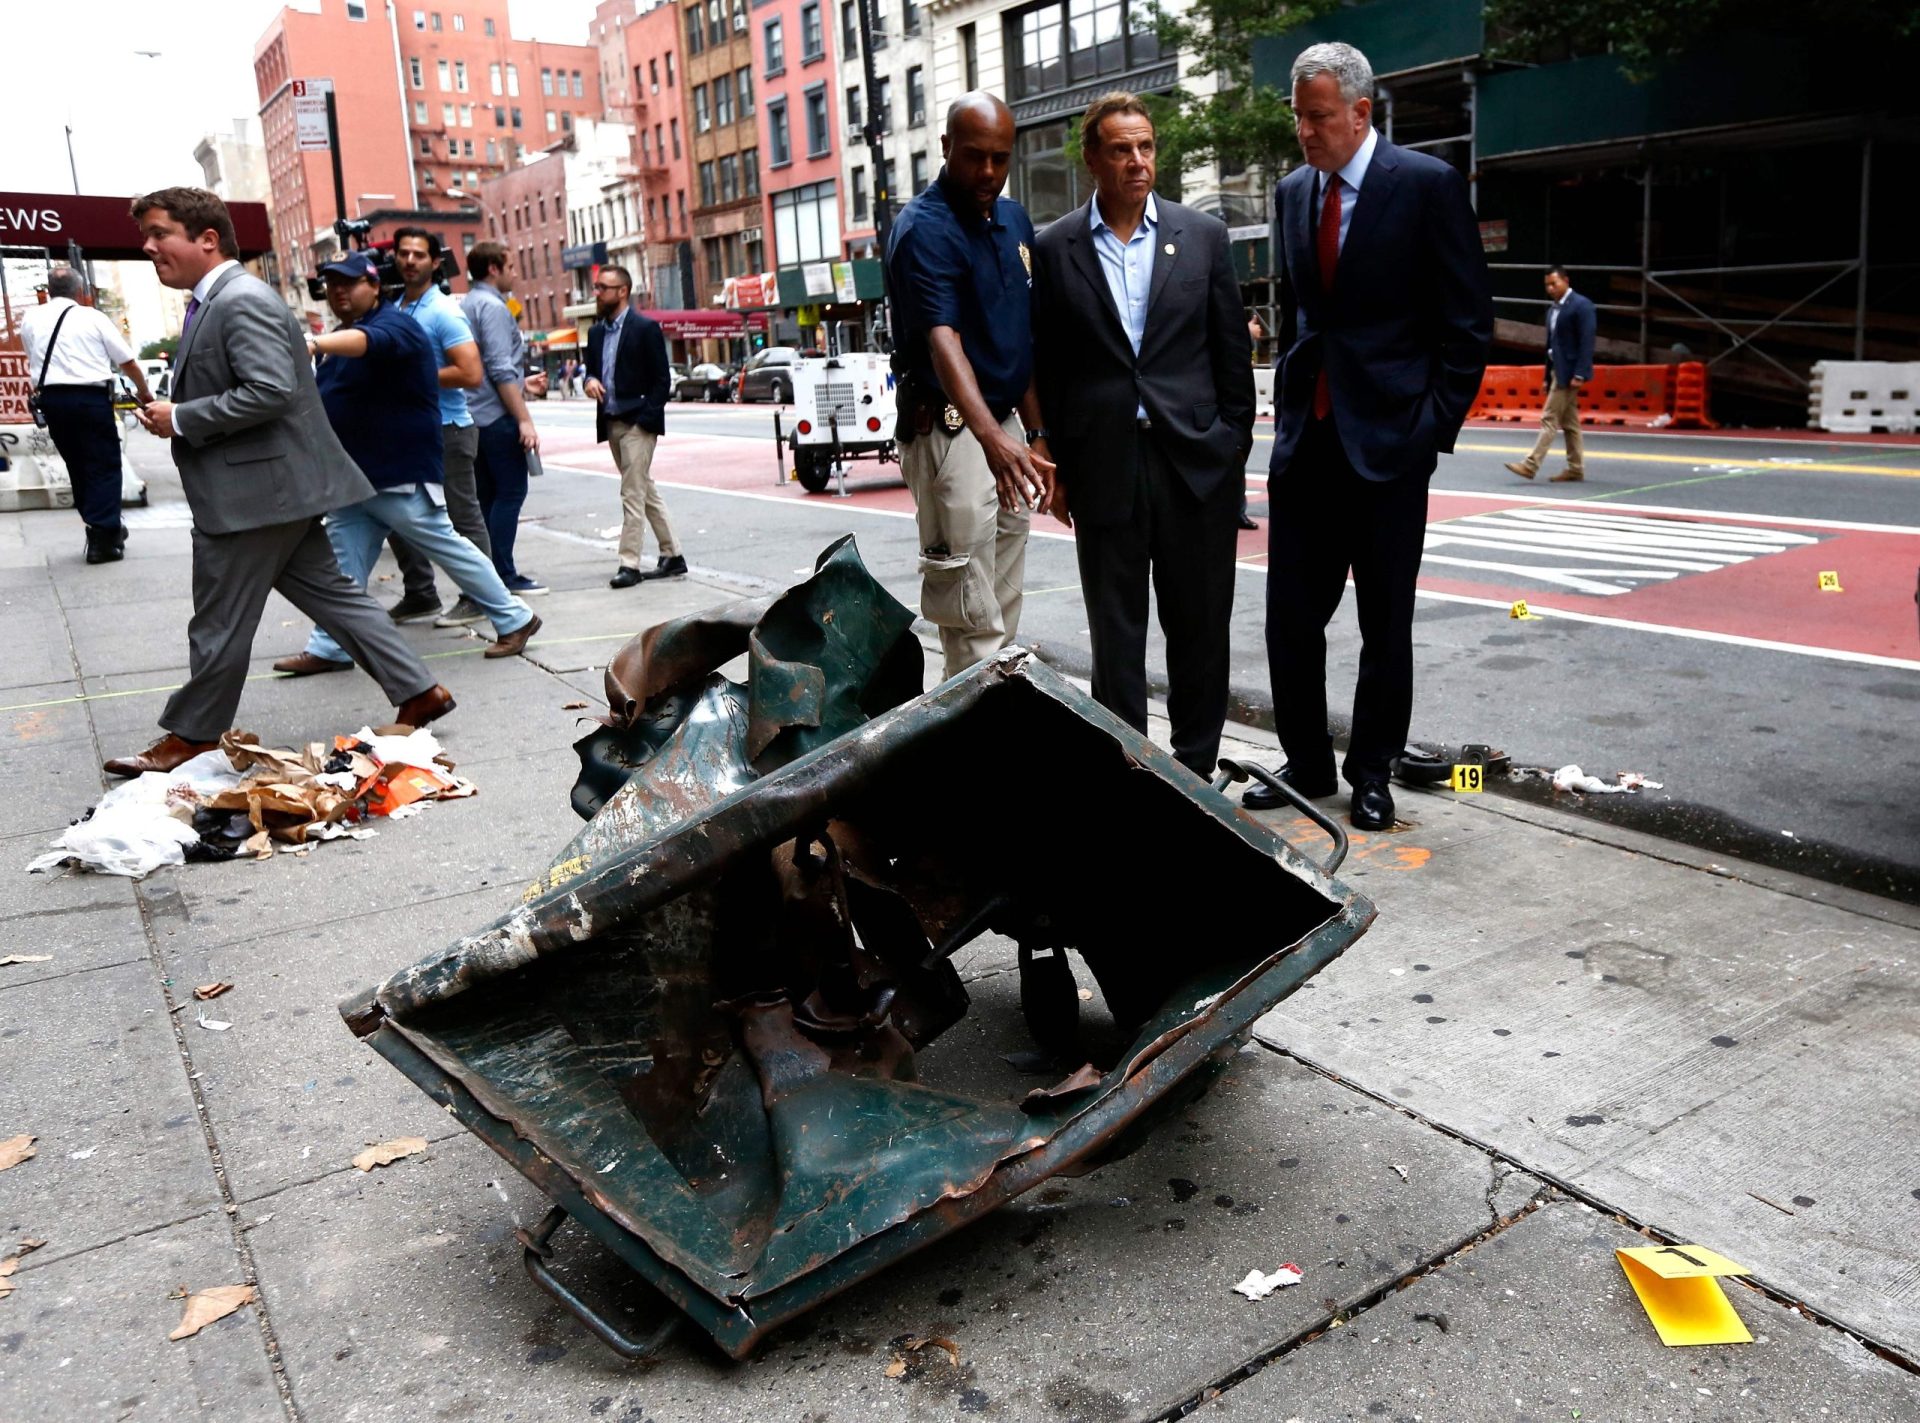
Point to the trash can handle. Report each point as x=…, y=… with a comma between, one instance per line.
x=535, y=1257
x=1231, y=771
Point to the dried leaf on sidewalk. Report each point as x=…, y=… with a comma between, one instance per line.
x=387, y=1152
x=211, y=990
x=27, y=1246
x=44, y=958
x=6, y=1270
x=564, y=706
x=16, y=1149
x=205, y=1306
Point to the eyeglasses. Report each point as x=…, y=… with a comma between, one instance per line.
x=609, y=286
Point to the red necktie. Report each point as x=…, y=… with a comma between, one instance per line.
x=1329, y=259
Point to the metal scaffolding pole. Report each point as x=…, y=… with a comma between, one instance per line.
x=1646, y=257
x=1473, y=140
x=1860, y=279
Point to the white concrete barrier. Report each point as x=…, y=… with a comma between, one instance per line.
x=1861, y=397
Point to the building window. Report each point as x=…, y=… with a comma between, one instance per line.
x=460, y=75
x=716, y=23
x=806, y=224
x=493, y=151
x=750, y=172
x=546, y=82
x=883, y=104
x=445, y=71
x=813, y=40
x=447, y=112
x=707, y=198
x=493, y=78
x=696, y=32
x=419, y=111
x=855, y=119
x=669, y=69
x=579, y=86
x=819, y=142
x=860, y=196
x=673, y=127
x=649, y=212
x=723, y=99
x=553, y=121
x=513, y=81
x=681, y=193
x=1049, y=185
x=776, y=49
x=653, y=74
x=426, y=146
x=419, y=19
x=489, y=30
x=729, y=177
x=779, y=144
x=743, y=84
x=566, y=123
x=466, y=116
x=436, y=22
x=356, y=9
x=516, y=117
x=916, y=97
x=919, y=172
x=970, y=57
x=909, y=17
x=850, y=29
x=702, y=114
x=499, y=117
x=415, y=75
x=459, y=24
x=1057, y=45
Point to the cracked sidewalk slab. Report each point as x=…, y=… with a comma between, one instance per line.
x=1539, y=1322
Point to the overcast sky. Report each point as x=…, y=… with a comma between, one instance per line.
x=136, y=119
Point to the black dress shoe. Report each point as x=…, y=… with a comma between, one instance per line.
x=674, y=567
x=625, y=578
x=1372, y=806
x=1264, y=797
x=1247, y=521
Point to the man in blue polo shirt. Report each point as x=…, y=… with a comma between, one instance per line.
x=960, y=267
x=379, y=380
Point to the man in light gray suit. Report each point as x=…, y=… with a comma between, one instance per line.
x=260, y=466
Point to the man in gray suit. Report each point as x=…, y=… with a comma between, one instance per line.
x=1144, y=362
x=260, y=466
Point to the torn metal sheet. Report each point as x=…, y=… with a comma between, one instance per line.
x=705, y=1031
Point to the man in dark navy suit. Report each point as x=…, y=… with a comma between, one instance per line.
x=1570, y=320
x=1387, y=317
x=629, y=379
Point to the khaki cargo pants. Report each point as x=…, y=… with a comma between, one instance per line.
x=1562, y=414
x=973, y=553
x=640, y=501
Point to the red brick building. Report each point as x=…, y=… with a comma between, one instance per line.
x=526, y=211
x=643, y=82
x=430, y=99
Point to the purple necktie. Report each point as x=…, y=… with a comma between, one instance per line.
x=193, y=308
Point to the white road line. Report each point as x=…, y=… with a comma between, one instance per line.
x=1547, y=499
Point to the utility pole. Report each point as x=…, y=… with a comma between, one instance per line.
x=333, y=151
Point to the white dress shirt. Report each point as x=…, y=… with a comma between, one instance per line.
x=89, y=348
x=1352, y=175
x=205, y=284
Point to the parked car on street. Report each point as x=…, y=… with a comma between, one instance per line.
x=706, y=382
x=769, y=375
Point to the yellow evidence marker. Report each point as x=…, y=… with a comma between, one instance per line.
x=1830, y=583
x=1469, y=778
x=1678, y=1289
x=1519, y=610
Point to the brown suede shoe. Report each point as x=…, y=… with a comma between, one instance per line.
x=1568, y=476
x=514, y=643
x=429, y=705
x=1517, y=468
x=305, y=664
x=168, y=752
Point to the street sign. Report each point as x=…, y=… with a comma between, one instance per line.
x=14, y=385
x=310, y=114
x=1248, y=232
x=1493, y=235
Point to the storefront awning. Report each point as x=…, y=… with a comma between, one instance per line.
x=566, y=338
x=719, y=324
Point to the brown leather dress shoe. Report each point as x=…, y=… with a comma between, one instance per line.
x=430, y=705
x=514, y=643
x=305, y=664
x=1568, y=476
x=1515, y=467
x=165, y=754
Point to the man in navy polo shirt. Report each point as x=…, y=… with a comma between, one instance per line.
x=960, y=266
x=379, y=377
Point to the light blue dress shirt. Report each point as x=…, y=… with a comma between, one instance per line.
x=609, y=355
x=1353, y=174
x=1128, y=267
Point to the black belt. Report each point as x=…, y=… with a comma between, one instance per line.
x=1143, y=423
x=78, y=385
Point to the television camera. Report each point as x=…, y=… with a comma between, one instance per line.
x=353, y=233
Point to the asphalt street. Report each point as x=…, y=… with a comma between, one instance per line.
x=1682, y=631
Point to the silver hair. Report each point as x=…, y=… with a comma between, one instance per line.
x=1346, y=64
x=64, y=281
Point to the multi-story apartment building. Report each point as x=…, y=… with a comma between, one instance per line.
x=526, y=212
x=604, y=222
x=643, y=85
x=800, y=131
x=429, y=101
x=723, y=139
x=899, y=100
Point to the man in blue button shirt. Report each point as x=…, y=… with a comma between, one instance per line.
x=379, y=380
x=630, y=381
x=1144, y=361
x=960, y=270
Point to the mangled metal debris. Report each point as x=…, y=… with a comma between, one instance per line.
x=709, y=1032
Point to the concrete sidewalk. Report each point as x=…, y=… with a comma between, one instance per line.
x=1557, y=1032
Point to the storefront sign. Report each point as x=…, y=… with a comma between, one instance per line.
x=818, y=278
x=583, y=257
x=1493, y=235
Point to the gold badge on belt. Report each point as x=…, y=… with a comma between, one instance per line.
x=950, y=417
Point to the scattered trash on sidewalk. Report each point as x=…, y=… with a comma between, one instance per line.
x=212, y=1025
x=249, y=799
x=25, y=958
x=206, y=1306
x=1678, y=1286
x=16, y=1149
x=913, y=1344
x=211, y=990
x=1257, y=1286
x=387, y=1152
x=1398, y=1170
x=1572, y=778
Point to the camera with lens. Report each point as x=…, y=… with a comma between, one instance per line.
x=354, y=236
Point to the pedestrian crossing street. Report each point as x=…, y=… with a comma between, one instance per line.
x=1602, y=553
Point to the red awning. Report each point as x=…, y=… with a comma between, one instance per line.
x=718, y=324
x=104, y=228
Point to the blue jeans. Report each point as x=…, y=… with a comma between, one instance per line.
x=358, y=530
x=500, y=478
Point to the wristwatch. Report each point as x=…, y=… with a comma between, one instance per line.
x=1039, y=432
